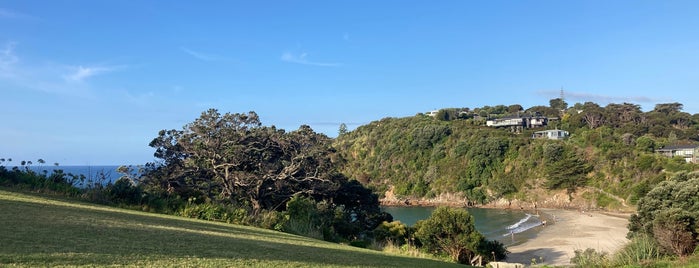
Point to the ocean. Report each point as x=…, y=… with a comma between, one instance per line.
x=95, y=174
x=511, y=227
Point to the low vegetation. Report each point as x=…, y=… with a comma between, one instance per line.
x=40, y=232
x=663, y=232
x=232, y=170
x=610, y=154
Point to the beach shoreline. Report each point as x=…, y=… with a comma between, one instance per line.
x=569, y=230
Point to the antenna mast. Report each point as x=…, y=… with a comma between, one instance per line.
x=562, y=95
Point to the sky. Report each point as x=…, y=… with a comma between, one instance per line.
x=92, y=82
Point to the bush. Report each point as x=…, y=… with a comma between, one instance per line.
x=214, y=212
x=590, y=258
x=451, y=231
x=394, y=232
x=641, y=249
x=668, y=214
x=304, y=216
x=124, y=191
x=675, y=231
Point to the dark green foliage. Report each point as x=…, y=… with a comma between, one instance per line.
x=393, y=232
x=303, y=216
x=669, y=213
x=451, y=231
x=497, y=250
x=124, y=191
x=566, y=170
x=214, y=212
x=611, y=148
x=26, y=179
x=558, y=104
x=232, y=160
x=675, y=230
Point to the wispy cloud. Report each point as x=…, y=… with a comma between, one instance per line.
x=80, y=73
x=346, y=37
x=7, y=56
x=10, y=14
x=583, y=96
x=47, y=77
x=203, y=56
x=302, y=59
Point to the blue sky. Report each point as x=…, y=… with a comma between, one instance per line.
x=92, y=82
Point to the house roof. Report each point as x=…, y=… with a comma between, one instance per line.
x=550, y=130
x=678, y=147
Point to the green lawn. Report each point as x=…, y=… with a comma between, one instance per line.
x=39, y=231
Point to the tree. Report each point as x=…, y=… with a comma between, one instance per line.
x=558, y=104
x=669, y=213
x=593, y=115
x=565, y=170
x=544, y=111
x=342, y=130
x=514, y=109
x=232, y=156
x=668, y=108
x=450, y=231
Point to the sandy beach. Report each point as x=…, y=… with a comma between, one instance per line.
x=572, y=230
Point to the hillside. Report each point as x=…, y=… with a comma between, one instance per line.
x=608, y=161
x=39, y=231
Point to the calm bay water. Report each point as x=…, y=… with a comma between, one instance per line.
x=511, y=227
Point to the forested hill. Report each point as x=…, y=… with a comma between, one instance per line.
x=609, y=160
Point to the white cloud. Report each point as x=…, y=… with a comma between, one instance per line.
x=302, y=59
x=202, y=56
x=10, y=14
x=346, y=37
x=583, y=96
x=81, y=73
x=49, y=77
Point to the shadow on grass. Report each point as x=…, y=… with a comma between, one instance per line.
x=535, y=256
x=59, y=234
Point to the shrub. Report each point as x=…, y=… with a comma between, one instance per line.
x=304, y=216
x=451, y=231
x=675, y=231
x=590, y=258
x=124, y=191
x=641, y=249
x=668, y=213
x=394, y=232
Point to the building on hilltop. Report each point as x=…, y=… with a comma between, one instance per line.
x=688, y=152
x=432, y=113
x=553, y=134
x=517, y=122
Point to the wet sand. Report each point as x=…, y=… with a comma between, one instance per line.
x=572, y=230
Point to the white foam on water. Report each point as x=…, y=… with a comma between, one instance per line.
x=523, y=220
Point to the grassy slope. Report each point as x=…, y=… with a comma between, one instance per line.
x=37, y=231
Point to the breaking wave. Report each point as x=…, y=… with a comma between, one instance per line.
x=522, y=225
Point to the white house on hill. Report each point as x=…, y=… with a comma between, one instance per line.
x=553, y=134
x=688, y=152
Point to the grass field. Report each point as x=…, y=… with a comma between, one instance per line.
x=40, y=231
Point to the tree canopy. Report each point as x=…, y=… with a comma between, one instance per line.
x=233, y=158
